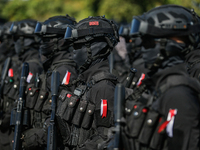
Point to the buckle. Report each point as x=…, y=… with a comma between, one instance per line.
x=79, y=90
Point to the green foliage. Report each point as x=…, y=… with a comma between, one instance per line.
x=119, y=10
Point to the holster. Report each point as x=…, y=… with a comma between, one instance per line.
x=148, y=127
x=135, y=114
x=62, y=103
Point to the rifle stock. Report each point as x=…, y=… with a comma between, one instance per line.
x=51, y=139
x=20, y=105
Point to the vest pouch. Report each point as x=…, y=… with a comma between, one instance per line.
x=9, y=81
x=158, y=139
x=14, y=91
x=43, y=94
x=79, y=114
x=32, y=95
x=26, y=118
x=148, y=127
x=135, y=113
x=88, y=117
x=71, y=107
x=63, y=95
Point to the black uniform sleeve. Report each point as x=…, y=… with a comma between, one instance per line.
x=183, y=131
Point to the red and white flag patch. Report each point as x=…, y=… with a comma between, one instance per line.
x=30, y=75
x=169, y=123
x=10, y=72
x=66, y=78
x=104, y=108
x=140, y=80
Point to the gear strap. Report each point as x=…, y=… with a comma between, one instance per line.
x=177, y=80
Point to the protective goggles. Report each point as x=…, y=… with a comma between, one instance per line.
x=138, y=27
x=44, y=29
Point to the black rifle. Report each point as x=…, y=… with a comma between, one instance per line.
x=20, y=107
x=55, y=82
x=3, y=74
x=130, y=77
x=119, y=101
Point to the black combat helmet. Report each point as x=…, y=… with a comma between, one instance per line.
x=159, y=25
x=52, y=32
x=166, y=20
x=23, y=35
x=91, y=28
x=54, y=26
x=93, y=38
x=7, y=43
x=5, y=31
x=23, y=28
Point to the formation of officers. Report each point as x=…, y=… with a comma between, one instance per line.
x=59, y=78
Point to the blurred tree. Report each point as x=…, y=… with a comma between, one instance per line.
x=119, y=10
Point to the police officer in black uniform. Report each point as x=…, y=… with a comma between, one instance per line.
x=170, y=118
x=88, y=111
x=26, y=48
x=55, y=55
x=6, y=50
x=133, y=45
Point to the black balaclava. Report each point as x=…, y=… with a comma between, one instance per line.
x=48, y=49
x=156, y=58
x=23, y=44
x=7, y=47
x=82, y=58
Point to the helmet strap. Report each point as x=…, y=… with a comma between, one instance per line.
x=88, y=61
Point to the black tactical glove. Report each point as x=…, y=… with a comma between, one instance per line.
x=34, y=139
